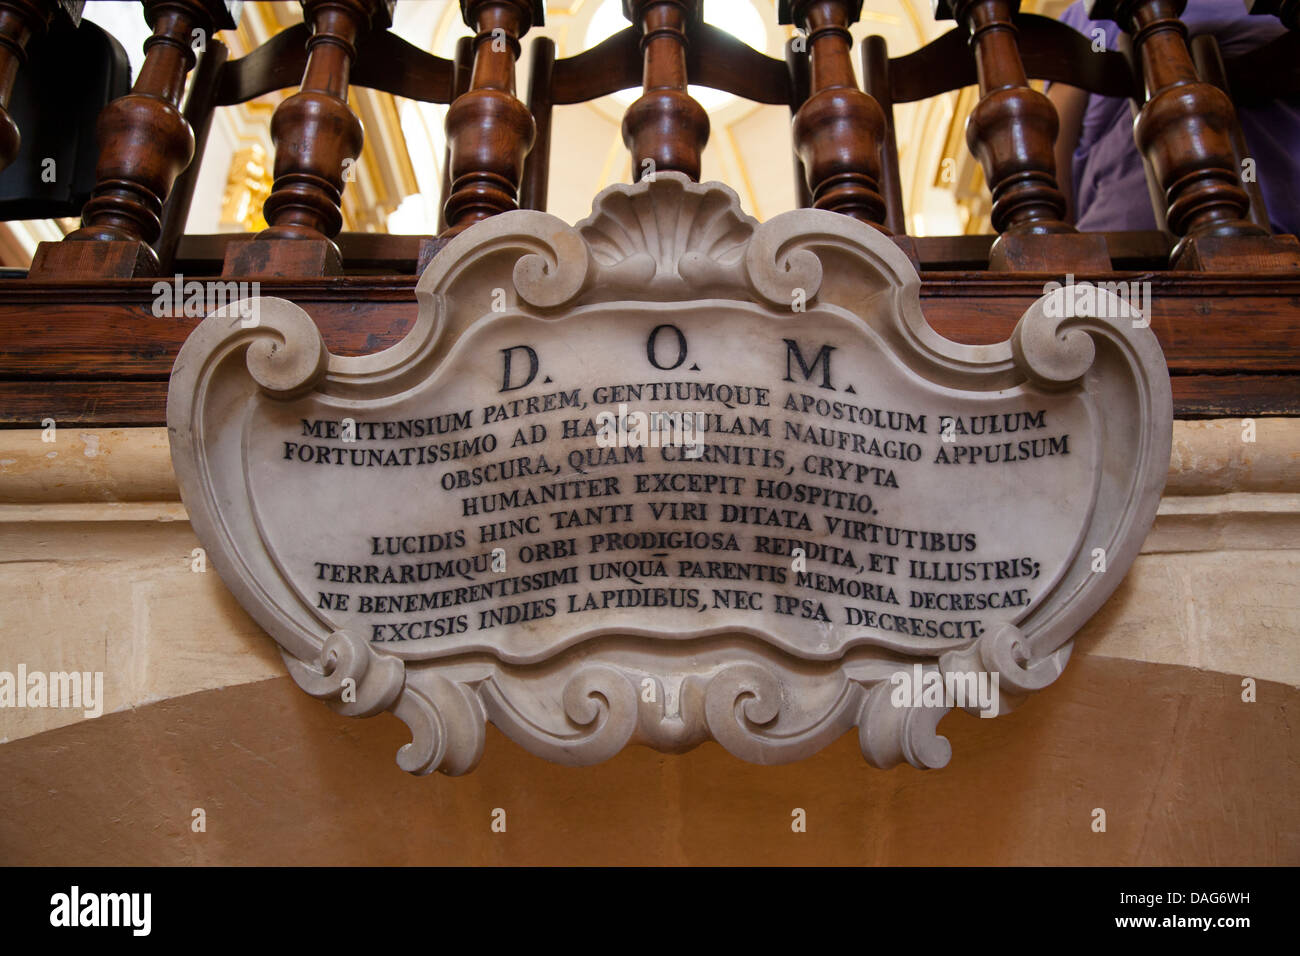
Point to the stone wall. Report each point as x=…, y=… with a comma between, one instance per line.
x=1148, y=722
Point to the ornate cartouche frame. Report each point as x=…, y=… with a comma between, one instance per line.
x=666, y=240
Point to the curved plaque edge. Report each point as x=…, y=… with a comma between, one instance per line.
x=552, y=265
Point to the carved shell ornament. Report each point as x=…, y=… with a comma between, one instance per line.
x=869, y=520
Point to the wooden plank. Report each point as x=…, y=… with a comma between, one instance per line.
x=949, y=256
x=104, y=404
x=1135, y=250
x=1226, y=396
x=203, y=255
x=108, y=330
x=95, y=353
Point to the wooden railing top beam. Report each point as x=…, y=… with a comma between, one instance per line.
x=385, y=62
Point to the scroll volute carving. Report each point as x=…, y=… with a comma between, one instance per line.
x=144, y=144
x=20, y=20
x=665, y=129
x=317, y=136
x=1184, y=128
x=839, y=129
x=489, y=130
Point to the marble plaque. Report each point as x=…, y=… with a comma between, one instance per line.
x=672, y=475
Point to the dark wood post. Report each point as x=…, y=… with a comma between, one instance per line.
x=488, y=129
x=664, y=129
x=839, y=129
x=144, y=144
x=876, y=83
x=20, y=20
x=462, y=67
x=537, y=173
x=317, y=141
x=796, y=67
x=1185, y=131
x=200, y=106
x=1012, y=132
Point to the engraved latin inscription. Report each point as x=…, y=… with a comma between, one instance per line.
x=680, y=475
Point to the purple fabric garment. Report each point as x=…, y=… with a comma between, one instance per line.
x=1110, y=190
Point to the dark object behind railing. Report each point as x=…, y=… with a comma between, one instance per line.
x=82, y=69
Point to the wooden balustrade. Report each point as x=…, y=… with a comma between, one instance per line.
x=1012, y=131
x=839, y=129
x=842, y=135
x=489, y=130
x=317, y=140
x=664, y=129
x=1184, y=130
x=145, y=143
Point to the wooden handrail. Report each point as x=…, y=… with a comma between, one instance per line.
x=1049, y=49
x=385, y=62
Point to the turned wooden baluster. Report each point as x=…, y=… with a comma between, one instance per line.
x=144, y=144
x=839, y=128
x=1184, y=130
x=20, y=20
x=664, y=129
x=489, y=130
x=317, y=141
x=1012, y=131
